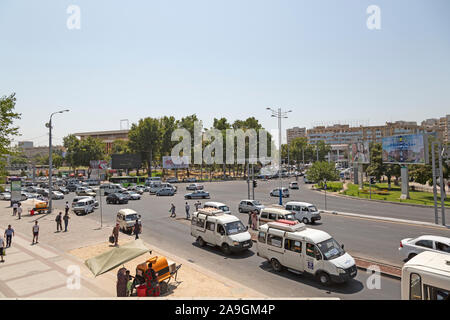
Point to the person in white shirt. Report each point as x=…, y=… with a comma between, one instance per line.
x=35, y=232
x=15, y=206
x=19, y=212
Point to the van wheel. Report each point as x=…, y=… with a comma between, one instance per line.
x=276, y=265
x=324, y=278
x=240, y=210
x=305, y=220
x=201, y=242
x=226, y=248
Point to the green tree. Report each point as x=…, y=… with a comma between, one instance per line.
x=321, y=170
x=145, y=138
x=7, y=128
x=120, y=147
x=81, y=152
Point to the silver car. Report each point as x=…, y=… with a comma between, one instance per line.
x=250, y=205
x=165, y=192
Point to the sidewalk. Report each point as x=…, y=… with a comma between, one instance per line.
x=41, y=270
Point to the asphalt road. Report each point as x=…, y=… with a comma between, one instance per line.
x=362, y=237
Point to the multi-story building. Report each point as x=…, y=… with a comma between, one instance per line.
x=344, y=134
x=108, y=137
x=295, y=132
x=441, y=125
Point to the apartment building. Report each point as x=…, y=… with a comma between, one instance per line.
x=295, y=132
x=107, y=137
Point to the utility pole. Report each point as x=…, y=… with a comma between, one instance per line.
x=248, y=180
x=441, y=180
x=279, y=114
x=253, y=183
x=50, y=160
x=433, y=163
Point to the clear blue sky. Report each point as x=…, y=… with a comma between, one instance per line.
x=229, y=58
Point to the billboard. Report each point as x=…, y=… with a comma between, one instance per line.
x=126, y=161
x=16, y=189
x=98, y=164
x=359, y=152
x=405, y=149
x=170, y=162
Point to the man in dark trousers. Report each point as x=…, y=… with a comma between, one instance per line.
x=67, y=207
x=66, y=221
x=137, y=229
x=59, y=222
x=9, y=233
x=116, y=234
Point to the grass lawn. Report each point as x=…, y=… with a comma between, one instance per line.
x=380, y=192
x=332, y=186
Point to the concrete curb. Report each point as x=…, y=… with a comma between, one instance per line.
x=334, y=194
x=357, y=215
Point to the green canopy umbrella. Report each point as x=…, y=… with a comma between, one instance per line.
x=116, y=256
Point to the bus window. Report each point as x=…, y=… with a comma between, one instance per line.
x=415, y=287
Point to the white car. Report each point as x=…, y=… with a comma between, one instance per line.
x=276, y=192
x=133, y=195
x=5, y=196
x=411, y=247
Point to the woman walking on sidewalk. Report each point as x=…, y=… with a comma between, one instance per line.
x=66, y=221
x=35, y=229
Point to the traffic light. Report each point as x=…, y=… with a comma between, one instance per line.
x=372, y=180
x=254, y=184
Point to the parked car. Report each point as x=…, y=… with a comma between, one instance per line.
x=78, y=198
x=132, y=195
x=276, y=192
x=166, y=191
x=250, y=205
x=190, y=179
x=172, y=180
x=56, y=195
x=72, y=187
x=5, y=196
x=218, y=205
x=63, y=190
x=116, y=198
x=194, y=186
x=142, y=188
x=197, y=194
x=293, y=185
x=83, y=191
x=135, y=189
x=411, y=247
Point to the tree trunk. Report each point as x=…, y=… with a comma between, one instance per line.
x=149, y=163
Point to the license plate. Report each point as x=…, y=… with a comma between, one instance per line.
x=246, y=244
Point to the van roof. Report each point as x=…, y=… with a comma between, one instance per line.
x=431, y=261
x=299, y=203
x=213, y=203
x=313, y=235
x=210, y=211
x=276, y=210
x=127, y=211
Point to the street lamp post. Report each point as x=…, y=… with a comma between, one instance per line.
x=279, y=114
x=50, y=163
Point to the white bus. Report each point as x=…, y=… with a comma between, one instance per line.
x=426, y=277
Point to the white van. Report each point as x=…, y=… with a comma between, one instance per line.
x=274, y=213
x=303, y=211
x=303, y=250
x=126, y=218
x=84, y=206
x=78, y=198
x=218, y=206
x=212, y=226
x=426, y=277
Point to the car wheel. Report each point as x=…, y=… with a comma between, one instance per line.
x=225, y=248
x=240, y=210
x=305, y=220
x=324, y=278
x=276, y=265
x=201, y=242
x=411, y=255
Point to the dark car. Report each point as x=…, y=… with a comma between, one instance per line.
x=72, y=187
x=116, y=198
x=197, y=194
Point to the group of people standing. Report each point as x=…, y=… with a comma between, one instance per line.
x=187, y=207
x=253, y=219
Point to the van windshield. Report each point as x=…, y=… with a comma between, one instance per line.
x=224, y=208
x=234, y=228
x=256, y=203
x=330, y=249
x=130, y=217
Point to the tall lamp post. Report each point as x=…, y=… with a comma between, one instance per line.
x=50, y=163
x=280, y=115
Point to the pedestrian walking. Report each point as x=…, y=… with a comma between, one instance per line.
x=35, y=229
x=172, y=211
x=2, y=248
x=121, y=286
x=197, y=205
x=254, y=220
x=67, y=207
x=19, y=211
x=137, y=229
x=66, y=221
x=187, y=211
x=250, y=219
x=9, y=233
x=58, y=220
x=115, y=233
x=15, y=206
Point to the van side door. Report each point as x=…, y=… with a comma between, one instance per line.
x=313, y=259
x=220, y=234
x=210, y=233
x=292, y=257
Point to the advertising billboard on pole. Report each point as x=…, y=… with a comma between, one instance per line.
x=16, y=190
x=126, y=161
x=359, y=152
x=405, y=149
x=180, y=163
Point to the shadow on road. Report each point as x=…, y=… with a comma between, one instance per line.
x=350, y=287
x=216, y=250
